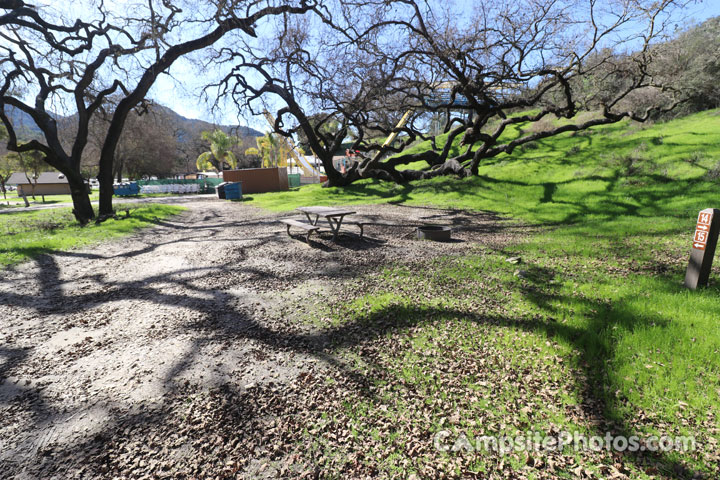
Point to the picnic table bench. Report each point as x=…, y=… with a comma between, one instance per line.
x=289, y=222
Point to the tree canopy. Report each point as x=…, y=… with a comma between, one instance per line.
x=76, y=56
x=364, y=65
x=381, y=75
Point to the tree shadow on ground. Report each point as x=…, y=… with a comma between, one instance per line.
x=222, y=319
x=353, y=335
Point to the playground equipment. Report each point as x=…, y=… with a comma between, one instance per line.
x=308, y=169
x=397, y=128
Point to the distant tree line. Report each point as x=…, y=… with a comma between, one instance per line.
x=690, y=63
x=152, y=144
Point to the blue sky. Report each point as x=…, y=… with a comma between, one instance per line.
x=181, y=89
x=183, y=96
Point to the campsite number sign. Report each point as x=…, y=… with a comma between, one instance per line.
x=702, y=230
x=703, y=251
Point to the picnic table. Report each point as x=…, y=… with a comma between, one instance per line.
x=334, y=216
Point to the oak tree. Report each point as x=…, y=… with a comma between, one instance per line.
x=73, y=56
x=388, y=74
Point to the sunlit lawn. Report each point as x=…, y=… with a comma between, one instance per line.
x=601, y=286
x=14, y=200
x=26, y=234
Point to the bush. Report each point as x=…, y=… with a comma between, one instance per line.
x=633, y=164
x=714, y=172
x=696, y=158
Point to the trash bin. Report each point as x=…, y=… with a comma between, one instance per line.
x=126, y=189
x=220, y=190
x=293, y=180
x=233, y=191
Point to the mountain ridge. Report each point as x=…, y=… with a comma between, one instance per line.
x=27, y=129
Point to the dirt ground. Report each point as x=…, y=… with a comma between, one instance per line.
x=172, y=353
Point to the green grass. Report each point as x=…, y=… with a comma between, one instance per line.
x=602, y=174
x=25, y=235
x=15, y=201
x=601, y=287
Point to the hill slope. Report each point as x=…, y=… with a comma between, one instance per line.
x=598, y=289
x=27, y=129
x=194, y=125
x=607, y=172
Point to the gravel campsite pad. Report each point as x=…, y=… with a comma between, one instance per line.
x=179, y=350
x=215, y=346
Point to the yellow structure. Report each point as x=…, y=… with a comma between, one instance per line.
x=397, y=128
x=307, y=168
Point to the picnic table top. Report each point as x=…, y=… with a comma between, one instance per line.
x=325, y=211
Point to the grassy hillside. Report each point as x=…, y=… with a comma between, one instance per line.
x=599, y=290
x=621, y=169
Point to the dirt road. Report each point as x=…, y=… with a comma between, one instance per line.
x=176, y=351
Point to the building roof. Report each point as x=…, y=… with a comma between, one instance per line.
x=18, y=178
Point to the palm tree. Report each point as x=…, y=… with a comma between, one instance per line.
x=265, y=148
x=274, y=150
x=253, y=152
x=220, y=151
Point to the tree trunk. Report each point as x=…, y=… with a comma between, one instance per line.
x=120, y=165
x=337, y=179
x=30, y=182
x=82, y=208
x=105, y=178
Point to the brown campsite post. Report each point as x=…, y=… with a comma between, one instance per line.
x=703, y=248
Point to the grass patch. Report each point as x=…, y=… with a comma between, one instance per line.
x=26, y=235
x=467, y=345
x=15, y=201
x=595, y=318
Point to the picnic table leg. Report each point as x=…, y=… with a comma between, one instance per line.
x=307, y=236
x=332, y=227
x=336, y=228
x=314, y=223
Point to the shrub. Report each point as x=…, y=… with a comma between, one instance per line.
x=575, y=149
x=632, y=164
x=714, y=172
x=696, y=158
